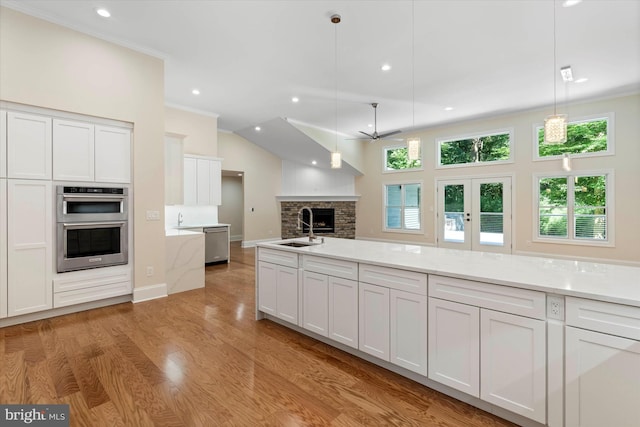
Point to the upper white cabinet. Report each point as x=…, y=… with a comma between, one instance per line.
x=173, y=170
x=3, y=248
x=202, y=181
x=112, y=154
x=73, y=151
x=30, y=246
x=28, y=146
x=3, y=144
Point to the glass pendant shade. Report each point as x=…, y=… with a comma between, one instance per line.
x=413, y=148
x=336, y=160
x=555, y=129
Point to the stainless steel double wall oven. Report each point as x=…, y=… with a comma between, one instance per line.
x=92, y=227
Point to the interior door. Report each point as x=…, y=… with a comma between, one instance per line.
x=475, y=214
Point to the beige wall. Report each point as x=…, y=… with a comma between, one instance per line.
x=624, y=163
x=49, y=66
x=262, y=178
x=200, y=131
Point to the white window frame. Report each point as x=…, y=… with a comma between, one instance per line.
x=570, y=240
x=440, y=141
x=610, y=151
x=393, y=147
x=384, y=207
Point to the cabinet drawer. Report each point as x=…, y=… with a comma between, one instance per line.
x=330, y=267
x=606, y=317
x=393, y=278
x=78, y=296
x=501, y=298
x=273, y=256
x=89, y=279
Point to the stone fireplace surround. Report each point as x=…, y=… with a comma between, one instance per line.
x=345, y=217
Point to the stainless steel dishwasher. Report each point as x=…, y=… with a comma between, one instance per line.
x=216, y=244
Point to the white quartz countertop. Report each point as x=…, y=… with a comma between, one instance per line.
x=599, y=281
x=185, y=226
x=170, y=232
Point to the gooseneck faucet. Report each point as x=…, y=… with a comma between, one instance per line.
x=310, y=225
x=179, y=218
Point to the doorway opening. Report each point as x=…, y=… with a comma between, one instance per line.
x=231, y=211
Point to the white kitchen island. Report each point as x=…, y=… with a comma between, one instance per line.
x=538, y=341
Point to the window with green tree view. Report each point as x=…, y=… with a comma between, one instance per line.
x=574, y=208
x=396, y=159
x=402, y=207
x=475, y=149
x=584, y=137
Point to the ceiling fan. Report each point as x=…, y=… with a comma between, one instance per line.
x=375, y=136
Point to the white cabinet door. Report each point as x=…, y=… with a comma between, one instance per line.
x=267, y=297
x=30, y=252
x=343, y=311
x=3, y=248
x=215, y=179
x=512, y=363
x=203, y=182
x=602, y=380
x=373, y=327
x=3, y=144
x=408, y=335
x=28, y=146
x=287, y=293
x=173, y=171
x=315, y=301
x=112, y=154
x=190, y=181
x=73, y=151
x=454, y=345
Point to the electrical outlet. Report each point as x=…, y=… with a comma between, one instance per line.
x=555, y=307
x=149, y=271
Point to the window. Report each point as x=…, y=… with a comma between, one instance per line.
x=396, y=159
x=586, y=137
x=475, y=149
x=402, y=207
x=575, y=208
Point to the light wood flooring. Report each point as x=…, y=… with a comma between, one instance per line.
x=199, y=358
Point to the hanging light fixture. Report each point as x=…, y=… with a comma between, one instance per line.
x=555, y=126
x=413, y=143
x=336, y=156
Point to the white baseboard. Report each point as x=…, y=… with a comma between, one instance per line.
x=235, y=238
x=147, y=293
x=252, y=243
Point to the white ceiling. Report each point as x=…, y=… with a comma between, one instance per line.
x=482, y=57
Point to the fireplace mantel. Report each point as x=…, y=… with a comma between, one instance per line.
x=316, y=198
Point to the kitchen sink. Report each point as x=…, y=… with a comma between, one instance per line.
x=296, y=244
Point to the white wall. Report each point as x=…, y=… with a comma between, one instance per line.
x=49, y=66
x=231, y=211
x=624, y=163
x=304, y=180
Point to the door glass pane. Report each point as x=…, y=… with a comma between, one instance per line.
x=412, y=206
x=454, y=213
x=553, y=207
x=491, y=215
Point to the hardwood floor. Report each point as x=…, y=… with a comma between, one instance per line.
x=199, y=358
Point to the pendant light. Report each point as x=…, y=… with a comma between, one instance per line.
x=336, y=156
x=555, y=126
x=413, y=143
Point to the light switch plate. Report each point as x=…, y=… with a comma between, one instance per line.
x=153, y=215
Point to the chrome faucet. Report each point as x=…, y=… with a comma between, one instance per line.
x=179, y=218
x=310, y=225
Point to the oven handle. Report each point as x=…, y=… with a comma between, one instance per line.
x=94, y=196
x=92, y=224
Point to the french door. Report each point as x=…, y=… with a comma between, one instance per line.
x=475, y=214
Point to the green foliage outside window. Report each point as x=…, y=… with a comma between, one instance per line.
x=489, y=148
x=583, y=137
x=398, y=159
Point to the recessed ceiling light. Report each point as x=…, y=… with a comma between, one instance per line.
x=385, y=67
x=195, y=92
x=582, y=80
x=448, y=108
x=569, y=3
x=313, y=162
x=257, y=128
x=103, y=12
x=369, y=125
x=295, y=99
x=239, y=174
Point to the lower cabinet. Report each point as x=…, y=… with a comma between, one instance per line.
x=278, y=291
x=315, y=302
x=408, y=335
x=3, y=244
x=343, y=311
x=374, y=320
x=29, y=246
